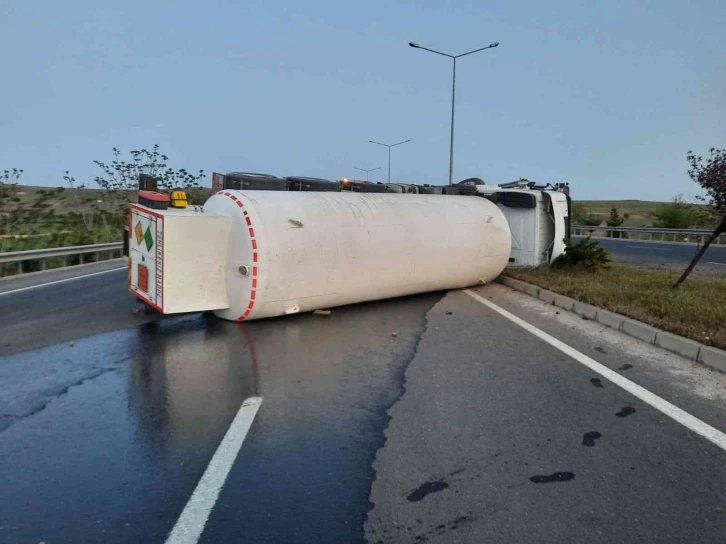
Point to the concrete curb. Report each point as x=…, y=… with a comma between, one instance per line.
x=707, y=355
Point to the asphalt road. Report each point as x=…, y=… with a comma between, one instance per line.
x=668, y=254
x=448, y=431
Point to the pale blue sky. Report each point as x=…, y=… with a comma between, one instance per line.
x=606, y=95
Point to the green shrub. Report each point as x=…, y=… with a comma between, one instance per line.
x=677, y=214
x=585, y=254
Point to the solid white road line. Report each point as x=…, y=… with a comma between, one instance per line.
x=61, y=281
x=191, y=523
x=720, y=264
x=684, y=418
x=653, y=248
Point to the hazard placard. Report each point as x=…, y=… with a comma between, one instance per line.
x=143, y=273
x=147, y=256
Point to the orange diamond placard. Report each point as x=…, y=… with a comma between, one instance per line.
x=139, y=232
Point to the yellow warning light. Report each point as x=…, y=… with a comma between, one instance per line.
x=178, y=199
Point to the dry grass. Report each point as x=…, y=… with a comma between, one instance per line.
x=639, y=211
x=697, y=310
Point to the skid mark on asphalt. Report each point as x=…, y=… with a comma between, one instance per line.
x=440, y=530
x=597, y=382
x=689, y=421
x=626, y=411
x=588, y=439
x=554, y=477
x=426, y=489
x=444, y=528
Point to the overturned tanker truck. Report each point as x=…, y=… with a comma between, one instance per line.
x=264, y=246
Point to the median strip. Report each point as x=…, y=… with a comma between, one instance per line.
x=690, y=321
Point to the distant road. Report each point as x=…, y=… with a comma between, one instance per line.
x=662, y=253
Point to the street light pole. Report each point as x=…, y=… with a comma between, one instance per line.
x=389, y=146
x=451, y=146
x=453, y=94
x=366, y=171
x=389, y=165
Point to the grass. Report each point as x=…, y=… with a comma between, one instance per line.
x=87, y=197
x=639, y=211
x=51, y=217
x=638, y=207
x=696, y=310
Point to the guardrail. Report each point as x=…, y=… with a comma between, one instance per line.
x=648, y=233
x=63, y=253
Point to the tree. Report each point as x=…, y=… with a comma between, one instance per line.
x=711, y=176
x=120, y=177
x=124, y=175
x=578, y=212
x=9, y=209
x=76, y=204
x=616, y=220
x=677, y=214
x=581, y=216
x=591, y=220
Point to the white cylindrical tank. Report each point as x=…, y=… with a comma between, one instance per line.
x=292, y=252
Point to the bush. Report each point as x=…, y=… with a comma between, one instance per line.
x=677, y=214
x=586, y=254
x=591, y=220
x=581, y=216
x=578, y=211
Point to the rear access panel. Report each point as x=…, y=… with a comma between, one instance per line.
x=146, y=256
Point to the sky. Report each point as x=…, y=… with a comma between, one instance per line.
x=606, y=95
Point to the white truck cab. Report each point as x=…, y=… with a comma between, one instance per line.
x=538, y=217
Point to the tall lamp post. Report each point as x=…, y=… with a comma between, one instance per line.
x=367, y=171
x=453, y=95
x=389, y=146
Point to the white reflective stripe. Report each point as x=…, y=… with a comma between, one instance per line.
x=684, y=418
x=61, y=281
x=189, y=526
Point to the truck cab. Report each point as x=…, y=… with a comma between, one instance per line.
x=538, y=217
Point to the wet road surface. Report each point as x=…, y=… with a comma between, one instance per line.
x=106, y=439
x=462, y=427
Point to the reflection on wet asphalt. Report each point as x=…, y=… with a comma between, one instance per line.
x=105, y=440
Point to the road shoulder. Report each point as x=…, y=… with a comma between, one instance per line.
x=487, y=407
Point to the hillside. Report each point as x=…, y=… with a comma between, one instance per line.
x=639, y=210
x=66, y=198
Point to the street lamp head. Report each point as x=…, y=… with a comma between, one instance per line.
x=414, y=44
x=494, y=44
